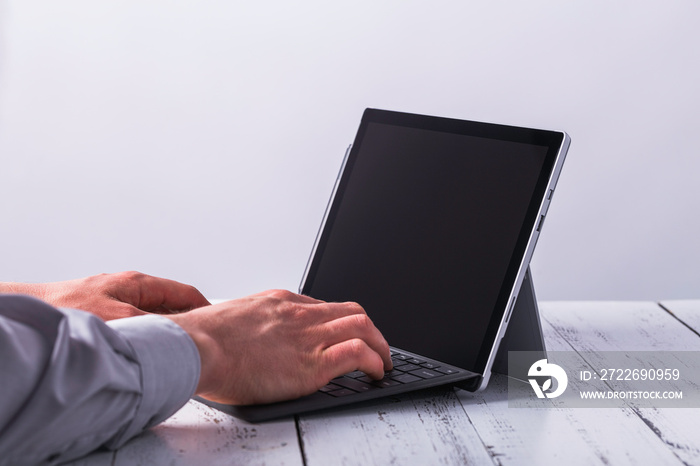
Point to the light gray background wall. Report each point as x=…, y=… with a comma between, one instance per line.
x=200, y=140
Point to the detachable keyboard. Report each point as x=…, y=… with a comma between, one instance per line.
x=407, y=369
x=411, y=372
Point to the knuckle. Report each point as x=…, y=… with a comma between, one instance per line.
x=356, y=347
x=130, y=275
x=290, y=312
x=285, y=308
x=193, y=291
x=362, y=322
x=284, y=295
x=356, y=308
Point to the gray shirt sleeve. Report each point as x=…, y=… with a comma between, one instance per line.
x=70, y=383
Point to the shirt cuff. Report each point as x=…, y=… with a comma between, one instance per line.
x=170, y=368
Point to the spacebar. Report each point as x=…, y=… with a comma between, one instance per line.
x=354, y=384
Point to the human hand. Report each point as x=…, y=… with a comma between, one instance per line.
x=113, y=296
x=278, y=345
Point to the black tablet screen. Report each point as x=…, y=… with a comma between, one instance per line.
x=422, y=233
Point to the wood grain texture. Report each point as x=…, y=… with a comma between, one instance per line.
x=583, y=436
x=198, y=434
x=634, y=326
x=686, y=311
x=428, y=427
x=618, y=326
x=516, y=436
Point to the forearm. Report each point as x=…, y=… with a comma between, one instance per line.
x=70, y=383
x=29, y=289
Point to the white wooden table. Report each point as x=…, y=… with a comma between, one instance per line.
x=446, y=426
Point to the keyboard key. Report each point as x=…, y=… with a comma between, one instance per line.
x=406, y=378
x=354, y=384
x=407, y=367
x=341, y=392
x=329, y=387
x=429, y=365
x=398, y=362
x=446, y=370
x=385, y=382
x=426, y=374
x=355, y=374
x=392, y=373
x=402, y=357
x=415, y=361
x=366, y=379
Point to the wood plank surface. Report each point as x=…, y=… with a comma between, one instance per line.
x=618, y=326
x=428, y=427
x=634, y=326
x=686, y=311
x=198, y=434
x=557, y=436
x=572, y=436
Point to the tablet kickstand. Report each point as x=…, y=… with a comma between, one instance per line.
x=524, y=333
